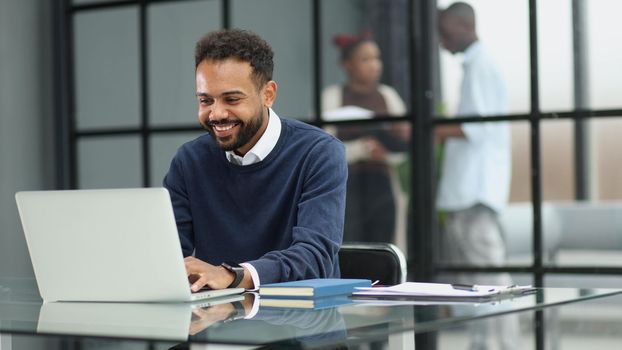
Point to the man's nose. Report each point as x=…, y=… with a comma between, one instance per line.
x=219, y=111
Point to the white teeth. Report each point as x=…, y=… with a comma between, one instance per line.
x=224, y=127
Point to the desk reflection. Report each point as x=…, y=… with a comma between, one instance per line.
x=307, y=325
x=223, y=319
x=165, y=321
x=280, y=326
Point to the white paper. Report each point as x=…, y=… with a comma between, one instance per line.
x=347, y=113
x=438, y=290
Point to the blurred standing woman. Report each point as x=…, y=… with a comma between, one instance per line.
x=375, y=204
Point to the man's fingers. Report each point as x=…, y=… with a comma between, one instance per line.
x=194, y=265
x=201, y=273
x=195, y=269
x=199, y=283
x=193, y=278
x=190, y=259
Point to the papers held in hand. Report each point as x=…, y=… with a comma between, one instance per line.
x=441, y=291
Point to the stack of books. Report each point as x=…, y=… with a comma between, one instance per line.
x=319, y=293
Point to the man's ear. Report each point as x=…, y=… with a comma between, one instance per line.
x=269, y=93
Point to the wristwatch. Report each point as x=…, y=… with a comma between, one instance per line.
x=237, y=270
x=237, y=313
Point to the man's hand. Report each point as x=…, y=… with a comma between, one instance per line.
x=202, y=274
x=205, y=317
x=375, y=149
x=442, y=132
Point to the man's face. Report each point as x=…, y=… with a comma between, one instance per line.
x=231, y=107
x=452, y=34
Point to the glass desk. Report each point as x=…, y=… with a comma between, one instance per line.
x=537, y=321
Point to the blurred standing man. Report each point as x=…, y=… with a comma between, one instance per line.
x=475, y=180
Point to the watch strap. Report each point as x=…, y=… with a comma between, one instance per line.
x=237, y=313
x=237, y=270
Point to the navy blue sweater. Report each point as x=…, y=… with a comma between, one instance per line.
x=284, y=215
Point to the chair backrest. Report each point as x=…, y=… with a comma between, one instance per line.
x=375, y=261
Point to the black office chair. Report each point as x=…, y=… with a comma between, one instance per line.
x=383, y=262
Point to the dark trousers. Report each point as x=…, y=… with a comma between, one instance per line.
x=370, y=207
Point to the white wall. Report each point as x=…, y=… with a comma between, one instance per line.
x=25, y=120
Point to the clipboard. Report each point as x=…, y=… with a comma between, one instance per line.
x=419, y=291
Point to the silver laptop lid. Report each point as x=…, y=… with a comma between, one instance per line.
x=104, y=245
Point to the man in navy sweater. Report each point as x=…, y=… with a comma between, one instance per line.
x=259, y=199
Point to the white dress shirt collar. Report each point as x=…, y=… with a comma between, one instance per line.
x=264, y=145
x=472, y=51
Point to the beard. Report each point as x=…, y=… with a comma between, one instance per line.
x=246, y=132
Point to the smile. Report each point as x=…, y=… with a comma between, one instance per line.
x=224, y=127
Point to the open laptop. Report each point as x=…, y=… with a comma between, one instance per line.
x=106, y=245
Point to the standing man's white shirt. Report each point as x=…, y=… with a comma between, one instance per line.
x=477, y=169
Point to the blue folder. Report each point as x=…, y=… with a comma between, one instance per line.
x=312, y=288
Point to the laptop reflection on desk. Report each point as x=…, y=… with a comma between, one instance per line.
x=163, y=321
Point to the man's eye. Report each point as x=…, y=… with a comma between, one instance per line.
x=205, y=101
x=233, y=100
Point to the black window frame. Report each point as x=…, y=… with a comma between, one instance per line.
x=422, y=43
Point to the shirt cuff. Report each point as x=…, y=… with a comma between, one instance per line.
x=254, y=274
x=254, y=309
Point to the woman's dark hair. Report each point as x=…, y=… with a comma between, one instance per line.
x=241, y=44
x=347, y=44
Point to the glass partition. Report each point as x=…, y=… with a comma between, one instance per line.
x=109, y=162
x=163, y=149
x=484, y=216
x=107, y=72
x=286, y=25
x=557, y=149
x=106, y=68
x=604, y=53
x=364, y=59
x=174, y=29
x=520, y=186
x=586, y=232
x=378, y=181
x=338, y=17
x=555, y=59
x=90, y=2
x=503, y=44
x=606, y=171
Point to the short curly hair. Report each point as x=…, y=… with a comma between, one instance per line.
x=241, y=44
